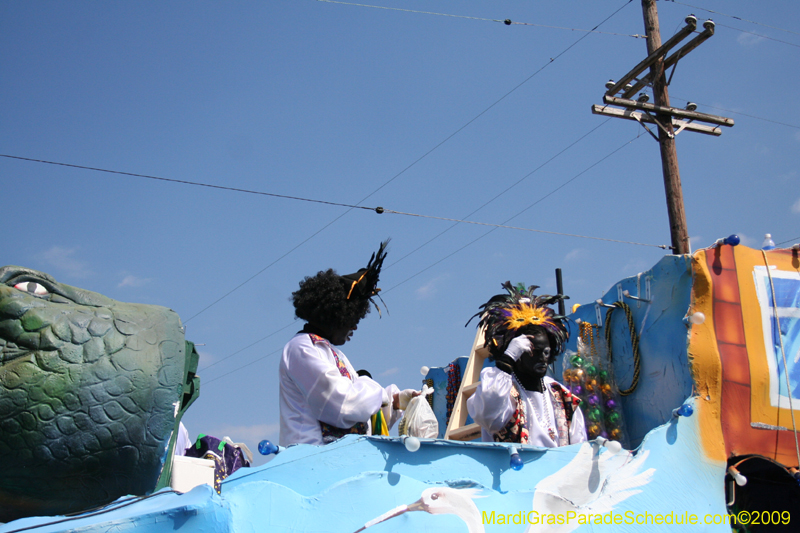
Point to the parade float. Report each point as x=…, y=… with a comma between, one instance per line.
x=688, y=374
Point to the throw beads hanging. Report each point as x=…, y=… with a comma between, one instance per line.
x=588, y=376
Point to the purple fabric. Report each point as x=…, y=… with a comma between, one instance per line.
x=227, y=459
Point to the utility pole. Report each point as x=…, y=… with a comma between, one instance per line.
x=666, y=135
x=660, y=113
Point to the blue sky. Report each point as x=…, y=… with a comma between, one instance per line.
x=376, y=107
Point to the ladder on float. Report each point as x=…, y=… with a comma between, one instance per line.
x=457, y=428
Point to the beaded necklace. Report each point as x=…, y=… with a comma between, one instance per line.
x=547, y=408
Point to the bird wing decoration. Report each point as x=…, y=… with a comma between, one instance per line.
x=591, y=483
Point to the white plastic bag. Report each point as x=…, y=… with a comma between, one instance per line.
x=419, y=420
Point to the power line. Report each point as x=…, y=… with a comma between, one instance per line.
x=206, y=383
x=796, y=239
x=462, y=247
x=759, y=35
x=507, y=22
x=239, y=286
x=254, y=361
x=248, y=346
x=735, y=17
x=182, y=182
x=519, y=213
x=379, y=210
x=456, y=251
x=434, y=238
x=350, y=207
x=526, y=176
x=427, y=153
x=498, y=226
x=742, y=114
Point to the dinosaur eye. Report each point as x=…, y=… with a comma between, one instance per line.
x=434, y=496
x=32, y=287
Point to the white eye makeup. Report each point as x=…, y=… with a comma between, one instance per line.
x=32, y=287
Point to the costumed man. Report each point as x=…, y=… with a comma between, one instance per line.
x=322, y=398
x=516, y=401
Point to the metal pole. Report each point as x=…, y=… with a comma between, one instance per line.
x=560, y=290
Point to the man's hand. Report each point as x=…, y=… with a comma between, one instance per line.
x=401, y=399
x=517, y=347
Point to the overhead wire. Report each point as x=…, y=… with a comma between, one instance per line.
x=442, y=259
x=456, y=132
x=507, y=22
x=734, y=17
x=350, y=206
x=425, y=154
x=518, y=214
x=248, y=346
x=526, y=176
x=254, y=361
x=795, y=240
x=182, y=182
x=759, y=35
x=744, y=20
x=739, y=113
x=379, y=210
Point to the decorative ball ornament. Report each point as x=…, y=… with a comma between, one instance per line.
x=266, y=447
x=412, y=444
x=515, y=461
x=697, y=318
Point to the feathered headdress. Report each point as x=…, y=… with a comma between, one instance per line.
x=505, y=314
x=363, y=285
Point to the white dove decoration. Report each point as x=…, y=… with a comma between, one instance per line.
x=592, y=483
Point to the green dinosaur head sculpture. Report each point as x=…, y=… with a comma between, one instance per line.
x=91, y=391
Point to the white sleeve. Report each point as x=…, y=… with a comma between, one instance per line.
x=331, y=397
x=577, y=429
x=491, y=405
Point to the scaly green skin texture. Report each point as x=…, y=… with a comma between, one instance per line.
x=88, y=395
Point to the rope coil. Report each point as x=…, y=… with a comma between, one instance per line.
x=634, y=344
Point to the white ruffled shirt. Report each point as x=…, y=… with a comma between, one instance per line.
x=312, y=390
x=491, y=407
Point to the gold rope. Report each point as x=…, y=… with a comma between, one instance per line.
x=634, y=344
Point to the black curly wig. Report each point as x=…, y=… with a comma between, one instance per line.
x=322, y=301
